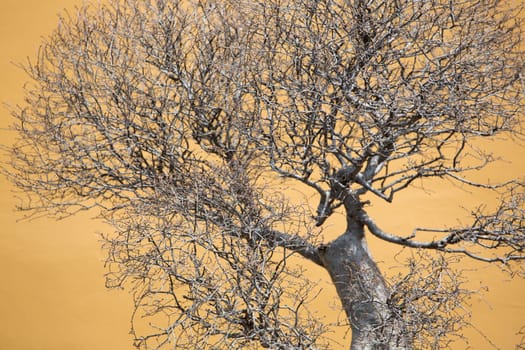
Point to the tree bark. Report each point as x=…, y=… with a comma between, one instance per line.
x=361, y=287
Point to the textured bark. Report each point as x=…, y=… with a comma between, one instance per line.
x=361, y=287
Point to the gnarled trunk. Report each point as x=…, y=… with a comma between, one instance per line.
x=361, y=288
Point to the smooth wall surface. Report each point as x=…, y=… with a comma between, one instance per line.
x=52, y=294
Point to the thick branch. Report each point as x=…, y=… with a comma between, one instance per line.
x=296, y=244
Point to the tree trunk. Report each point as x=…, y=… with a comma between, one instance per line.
x=361, y=288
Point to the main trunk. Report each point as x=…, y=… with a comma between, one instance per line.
x=362, y=289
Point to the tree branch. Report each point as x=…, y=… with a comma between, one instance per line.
x=502, y=232
x=296, y=244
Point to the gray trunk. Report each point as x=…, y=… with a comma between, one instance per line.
x=361, y=288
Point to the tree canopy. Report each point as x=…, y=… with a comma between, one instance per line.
x=183, y=123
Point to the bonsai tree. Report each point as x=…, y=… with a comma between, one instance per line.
x=184, y=124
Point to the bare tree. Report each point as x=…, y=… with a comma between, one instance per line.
x=182, y=124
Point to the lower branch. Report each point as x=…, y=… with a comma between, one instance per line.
x=296, y=244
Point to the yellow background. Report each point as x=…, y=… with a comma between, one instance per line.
x=52, y=294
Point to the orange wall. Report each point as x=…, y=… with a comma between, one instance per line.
x=52, y=294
